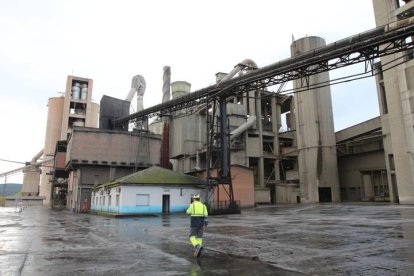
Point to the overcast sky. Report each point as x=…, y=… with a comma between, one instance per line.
x=44, y=41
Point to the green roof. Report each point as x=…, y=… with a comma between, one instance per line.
x=157, y=176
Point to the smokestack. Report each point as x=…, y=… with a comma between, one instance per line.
x=166, y=84
x=165, y=151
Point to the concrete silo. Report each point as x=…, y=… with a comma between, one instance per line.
x=53, y=134
x=315, y=135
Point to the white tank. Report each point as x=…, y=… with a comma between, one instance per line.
x=84, y=92
x=76, y=91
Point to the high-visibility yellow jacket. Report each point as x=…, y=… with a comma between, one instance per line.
x=198, y=212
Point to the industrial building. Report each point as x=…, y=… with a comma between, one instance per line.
x=395, y=86
x=281, y=148
x=74, y=108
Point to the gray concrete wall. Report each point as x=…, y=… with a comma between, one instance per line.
x=400, y=140
x=287, y=193
x=351, y=170
x=115, y=148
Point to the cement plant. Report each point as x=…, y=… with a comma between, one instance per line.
x=247, y=144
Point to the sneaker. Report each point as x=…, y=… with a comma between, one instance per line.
x=199, y=251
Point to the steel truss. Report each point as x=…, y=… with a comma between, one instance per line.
x=363, y=47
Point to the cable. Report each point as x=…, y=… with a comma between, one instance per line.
x=10, y=161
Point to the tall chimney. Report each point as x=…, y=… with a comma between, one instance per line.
x=165, y=142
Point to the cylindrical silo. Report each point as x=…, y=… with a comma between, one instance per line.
x=84, y=92
x=53, y=132
x=76, y=91
x=315, y=134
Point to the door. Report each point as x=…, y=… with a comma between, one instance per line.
x=165, y=204
x=325, y=194
x=368, y=187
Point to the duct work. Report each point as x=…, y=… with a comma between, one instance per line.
x=247, y=63
x=250, y=64
x=36, y=157
x=138, y=86
x=238, y=131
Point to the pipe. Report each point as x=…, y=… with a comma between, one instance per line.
x=238, y=68
x=398, y=24
x=221, y=77
x=197, y=165
x=238, y=131
x=138, y=86
x=37, y=156
x=224, y=142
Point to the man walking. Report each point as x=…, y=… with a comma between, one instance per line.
x=199, y=214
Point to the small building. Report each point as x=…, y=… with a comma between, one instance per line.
x=151, y=191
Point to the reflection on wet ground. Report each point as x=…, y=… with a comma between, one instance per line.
x=339, y=239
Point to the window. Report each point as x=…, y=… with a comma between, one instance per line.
x=411, y=99
x=103, y=200
x=142, y=200
x=391, y=161
x=117, y=200
x=383, y=98
x=109, y=200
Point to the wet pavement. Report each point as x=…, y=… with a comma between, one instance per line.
x=338, y=239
